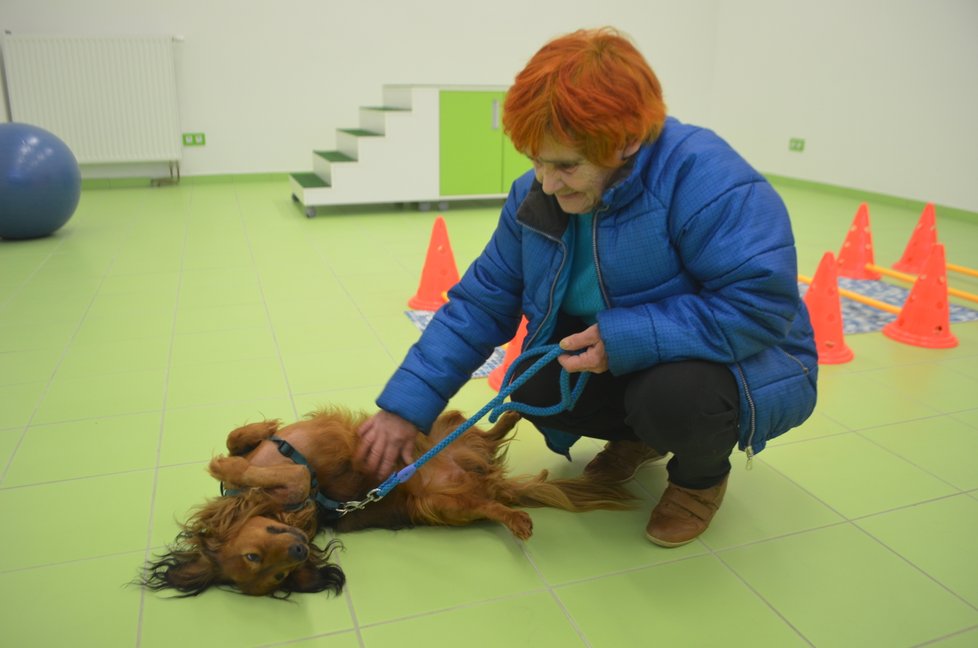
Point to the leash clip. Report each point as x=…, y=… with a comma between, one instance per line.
x=356, y=505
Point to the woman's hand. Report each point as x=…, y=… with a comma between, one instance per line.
x=383, y=438
x=593, y=357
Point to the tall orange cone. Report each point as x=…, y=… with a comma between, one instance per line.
x=439, y=273
x=857, y=249
x=921, y=242
x=924, y=319
x=513, y=349
x=825, y=309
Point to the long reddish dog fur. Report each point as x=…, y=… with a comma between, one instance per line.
x=259, y=543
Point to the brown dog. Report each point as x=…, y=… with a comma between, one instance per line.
x=258, y=537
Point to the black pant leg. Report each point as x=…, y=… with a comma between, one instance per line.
x=598, y=413
x=689, y=408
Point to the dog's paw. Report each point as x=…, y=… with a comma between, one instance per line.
x=504, y=424
x=521, y=524
x=245, y=438
x=510, y=418
x=229, y=469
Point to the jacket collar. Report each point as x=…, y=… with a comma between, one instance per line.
x=542, y=213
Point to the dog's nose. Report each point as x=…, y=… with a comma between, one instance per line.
x=299, y=552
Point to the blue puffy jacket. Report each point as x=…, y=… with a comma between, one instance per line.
x=695, y=258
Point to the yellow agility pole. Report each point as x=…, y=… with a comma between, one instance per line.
x=911, y=278
x=971, y=272
x=869, y=301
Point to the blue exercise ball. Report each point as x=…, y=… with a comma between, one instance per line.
x=40, y=182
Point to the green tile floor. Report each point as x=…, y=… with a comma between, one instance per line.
x=159, y=319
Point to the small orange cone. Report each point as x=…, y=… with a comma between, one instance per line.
x=513, y=349
x=825, y=310
x=857, y=249
x=921, y=242
x=439, y=273
x=924, y=320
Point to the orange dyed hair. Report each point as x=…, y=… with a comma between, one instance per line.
x=591, y=90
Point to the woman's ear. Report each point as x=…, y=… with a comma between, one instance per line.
x=631, y=150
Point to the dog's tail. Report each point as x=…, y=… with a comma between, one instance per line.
x=574, y=494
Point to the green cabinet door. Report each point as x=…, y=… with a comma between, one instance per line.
x=475, y=158
x=515, y=164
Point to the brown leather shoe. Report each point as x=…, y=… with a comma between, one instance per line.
x=683, y=514
x=620, y=460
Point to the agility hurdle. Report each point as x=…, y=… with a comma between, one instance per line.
x=912, y=278
x=862, y=299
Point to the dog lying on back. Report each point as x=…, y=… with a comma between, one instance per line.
x=258, y=537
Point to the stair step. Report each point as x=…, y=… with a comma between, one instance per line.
x=359, y=132
x=386, y=108
x=309, y=180
x=335, y=156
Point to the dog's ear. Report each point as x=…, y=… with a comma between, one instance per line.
x=310, y=577
x=244, y=439
x=189, y=572
x=318, y=574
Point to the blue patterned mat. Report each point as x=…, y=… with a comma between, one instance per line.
x=860, y=318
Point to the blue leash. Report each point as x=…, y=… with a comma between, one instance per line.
x=568, y=397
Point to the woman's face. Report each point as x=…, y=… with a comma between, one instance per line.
x=566, y=174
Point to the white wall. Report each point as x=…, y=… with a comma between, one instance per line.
x=880, y=89
x=885, y=92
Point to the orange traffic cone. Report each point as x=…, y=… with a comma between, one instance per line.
x=924, y=319
x=921, y=242
x=857, y=249
x=439, y=273
x=825, y=310
x=513, y=349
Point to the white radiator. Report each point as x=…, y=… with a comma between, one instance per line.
x=111, y=99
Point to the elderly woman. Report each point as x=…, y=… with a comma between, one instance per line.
x=652, y=251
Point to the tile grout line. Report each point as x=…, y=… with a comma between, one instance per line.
x=936, y=640
x=264, y=302
x=452, y=608
x=716, y=554
x=908, y=461
x=288, y=385
x=916, y=567
x=320, y=254
x=846, y=521
x=147, y=552
x=575, y=626
x=64, y=352
x=763, y=599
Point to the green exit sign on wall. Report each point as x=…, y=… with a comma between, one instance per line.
x=194, y=139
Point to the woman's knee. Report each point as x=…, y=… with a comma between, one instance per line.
x=684, y=405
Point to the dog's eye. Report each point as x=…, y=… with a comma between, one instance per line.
x=253, y=557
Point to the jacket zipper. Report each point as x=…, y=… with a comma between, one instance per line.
x=594, y=247
x=553, y=285
x=749, y=449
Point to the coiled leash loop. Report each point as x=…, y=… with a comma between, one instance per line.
x=568, y=397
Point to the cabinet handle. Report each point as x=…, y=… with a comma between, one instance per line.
x=495, y=114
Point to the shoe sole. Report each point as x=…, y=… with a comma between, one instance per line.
x=647, y=462
x=666, y=543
